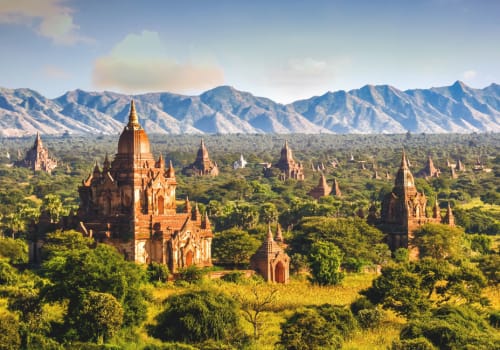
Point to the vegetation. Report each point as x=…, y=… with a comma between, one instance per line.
x=85, y=296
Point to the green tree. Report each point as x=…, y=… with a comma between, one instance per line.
x=74, y=273
x=308, y=330
x=197, y=316
x=9, y=332
x=100, y=316
x=439, y=241
x=157, y=272
x=15, y=250
x=398, y=289
x=234, y=247
x=325, y=260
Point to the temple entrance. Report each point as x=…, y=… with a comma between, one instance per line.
x=189, y=258
x=161, y=203
x=279, y=273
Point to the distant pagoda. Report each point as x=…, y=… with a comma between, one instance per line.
x=290, y=169
x=202, y=166
x=37, y=158
x=429, y=170
x=322, y=189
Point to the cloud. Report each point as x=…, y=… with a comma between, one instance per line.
x=141, y=63
x=53, y=72
x=469, y=75
x=48, y=18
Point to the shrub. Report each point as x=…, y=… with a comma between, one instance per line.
x=157, y=272
x=197, y=316
x=494, y=319
x=306, y=330
x=369, y=318
x=191, y=274
x=9, y=332
x=234, y=277
x=361, y=304
x=412, y=344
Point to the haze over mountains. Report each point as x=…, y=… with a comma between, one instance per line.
x=370, y=109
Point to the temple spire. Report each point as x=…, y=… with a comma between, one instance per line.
x=133, y=120
x=269, y=237
x=404, y=161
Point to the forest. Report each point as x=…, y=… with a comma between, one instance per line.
x=347, y=289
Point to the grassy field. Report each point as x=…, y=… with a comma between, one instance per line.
x=289, y=298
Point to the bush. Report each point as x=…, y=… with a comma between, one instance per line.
x=197, y=316
x=191, y=274
x=453, y=327
x=41, y=342
x=412, y=344
x=306, y=330
x=494, y=319
x=361, y=303
x=157, y=272
x=234, y=277
x=9, y=332
x=15, y=250
x=369, y=318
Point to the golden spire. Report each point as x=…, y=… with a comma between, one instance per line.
x=133, y=120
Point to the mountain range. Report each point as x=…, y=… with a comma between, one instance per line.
x=371, y=109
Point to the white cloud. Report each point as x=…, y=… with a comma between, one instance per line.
x=54, y=72
x=469, y=75
x=141, y=63
x=49, y=18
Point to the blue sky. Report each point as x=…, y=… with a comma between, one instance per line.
x=285, y=50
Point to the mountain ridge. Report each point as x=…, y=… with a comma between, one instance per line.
x=370, y=109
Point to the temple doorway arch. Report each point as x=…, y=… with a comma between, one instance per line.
x=279, y=273
x=189, y=258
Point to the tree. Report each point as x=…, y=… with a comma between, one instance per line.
x=453, y=327
x=15, y=250
x=157, y=272
x=398, y=289
x=76, y=272
x=100, y=316
x=234, y=247
x=254, y=304
x=9, y=332
x=439, y=241
x=197, y=316
x=308, y=330
x=325, y=260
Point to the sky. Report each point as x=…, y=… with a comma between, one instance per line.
x=285, y=50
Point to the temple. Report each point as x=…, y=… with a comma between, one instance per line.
x=130, y=204
x=429, y=170
x=404, y=209
x=287, y=166
x=202, y=165
x=270, y=260
x=37, y=158
x=321, y=190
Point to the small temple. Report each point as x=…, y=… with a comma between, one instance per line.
x=270, y=260
x=37, y=158
x=336, y=192
x=322, y=189
x=202, y=165
x=429, y=170
x=240, y=163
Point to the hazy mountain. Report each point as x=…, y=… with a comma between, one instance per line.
x=370, y=109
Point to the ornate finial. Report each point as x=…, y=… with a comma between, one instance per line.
x=269, y=232
x=404, y=161
x=187, y=208
x=170, y=171
x=133, y=120
x=279, y=234
x=106, y=165
x=206, y=222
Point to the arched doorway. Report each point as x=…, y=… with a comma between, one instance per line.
x=189, y=258
x=161, y=203
x=279, y=273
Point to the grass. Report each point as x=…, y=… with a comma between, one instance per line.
x=289, y=298
x=477, y=202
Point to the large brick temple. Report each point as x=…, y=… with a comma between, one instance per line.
x=130, y=203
